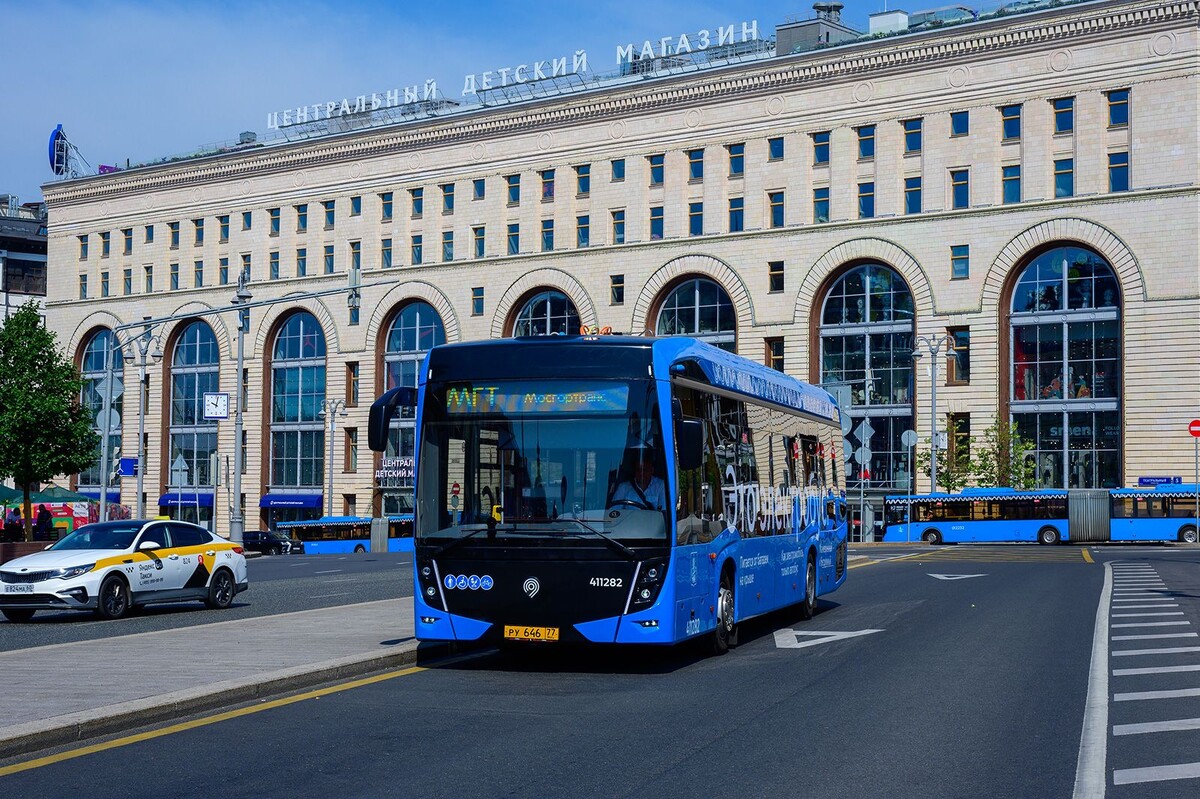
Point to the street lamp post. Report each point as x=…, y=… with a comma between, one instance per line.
x=864, y=468
x=331, y=409
x=236, y=518
x=144, y=342
x=933, y=344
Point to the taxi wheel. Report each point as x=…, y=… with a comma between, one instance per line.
x=220, y=590
x=18, y=614
x=113, y=599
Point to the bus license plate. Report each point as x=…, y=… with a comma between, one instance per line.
x=20, y=589
x=530, y=633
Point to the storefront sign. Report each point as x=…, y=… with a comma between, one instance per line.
x=394, y=472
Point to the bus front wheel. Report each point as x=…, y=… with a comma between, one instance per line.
x=808, y=608
x=1188, y=535
x=1048, y=535
x=931, y=537
x=724, y=631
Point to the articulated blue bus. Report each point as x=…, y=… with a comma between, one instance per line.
x=616, y=489
x=331, y=535
x=1164, y=513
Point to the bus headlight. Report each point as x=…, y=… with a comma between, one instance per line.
x=427, y=578
x=649, y=584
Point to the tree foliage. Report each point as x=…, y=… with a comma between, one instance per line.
x=44, y=430
x=998, y=457
x=955, y=465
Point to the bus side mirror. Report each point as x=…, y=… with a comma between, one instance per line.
x=689, y=443
x=382, y=411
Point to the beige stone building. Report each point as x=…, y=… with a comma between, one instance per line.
x=1025, y=185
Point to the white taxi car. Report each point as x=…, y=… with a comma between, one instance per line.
x=112, y=567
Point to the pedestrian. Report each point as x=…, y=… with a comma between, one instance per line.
x=45, y=523
x=12, y=525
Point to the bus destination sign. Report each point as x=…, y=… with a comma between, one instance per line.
x=521, y=397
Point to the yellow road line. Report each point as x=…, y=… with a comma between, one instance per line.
x=1087, y=556
x=888, y=560
x=203, y=722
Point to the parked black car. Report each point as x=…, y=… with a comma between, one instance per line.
x=271, y=542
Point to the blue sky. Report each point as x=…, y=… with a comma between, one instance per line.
x=143, y=80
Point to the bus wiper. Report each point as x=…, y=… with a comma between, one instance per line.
x=614, y=543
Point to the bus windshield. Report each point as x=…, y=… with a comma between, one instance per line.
x=568, y=459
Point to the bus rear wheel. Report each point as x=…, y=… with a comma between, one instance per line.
x=1047, y=535
x=359, y=548
x=931, y=537
x=723, y=633
x=1188, y=535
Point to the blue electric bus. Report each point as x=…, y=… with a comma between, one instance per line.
x=616, y=489
x=1163, y=513
x=333, y=535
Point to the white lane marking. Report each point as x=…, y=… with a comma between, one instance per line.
x=1143, y=599
x=1167, y=650
x=1131, y=615
x=1154, y=670
x=1090, y=777
x=1149, y=637
x=326, y=596
x=328, y=571
x=1175, y=725
x=788, y=638
x=1183, y=771
x=1153, y=624
x=1136, y=696
x=955, y=576
x=1140, y=607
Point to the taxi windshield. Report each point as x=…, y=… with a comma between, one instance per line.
x=105, y=535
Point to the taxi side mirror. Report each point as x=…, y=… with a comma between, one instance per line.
x=146, y=545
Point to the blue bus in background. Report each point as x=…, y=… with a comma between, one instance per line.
x=616, y=489
x=1163, y=513
x=348, y=534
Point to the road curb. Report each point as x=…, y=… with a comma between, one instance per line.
x=23, y=739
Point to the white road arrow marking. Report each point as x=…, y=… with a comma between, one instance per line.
x=788, y=638
x=955, y=576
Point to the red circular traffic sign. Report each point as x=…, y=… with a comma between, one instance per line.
x=1194, y=428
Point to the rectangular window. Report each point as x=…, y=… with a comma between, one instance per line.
x=1064, y=177
x=821, y=205
x=958, y=365
x=866, y=200
x=737, y=160
x=245, y=266
x=656, y=169
x=775, y=149
x=695, y=165
x=223, y=228
x=775, y=277
x=329, y=265
x=912, y=135
x=1010, y=179
x=83, y=247
x=477, y=301
x=616, y=289
x=105, y=245
x=866, y=142
x=148, y=278
x=83, y=287
x=774, y=353
x=1010, y=121
x=737, y=214
x=960, y=123
x=547, y=235
x=417, y=197
x=478, y=189
x=198, y=224
x=514, y=238
x=1118, y=108
x=448, y=198
x=695, y=219
x=329, y=206
x=385, y=254
x=547, y=176
x=618, y=170
x=478, y=238
x=351, y=454
x=821, y=148
x=301, y=262
x=583, y=180
x=656, y=222
x=247, y=219
x=273, y=264
x=1118, y=172
x=174, y=277
x=352, y=384
x=223, y=271
x=355, y=314
x=173, y=227
x=960, y=261
x=198, y=274
x=514, y=189
x=1064, y=115
x=149, y=234
x=127, y=282
x=385, y=206
x=912, y=195
x=960, y=188
x=127, y=246
x=416, y=250
x=775, y=208
x=356, y=206
x=302, y=218
x=356, y=256
x=583, y=231
x=618, y=227
x=447, y=246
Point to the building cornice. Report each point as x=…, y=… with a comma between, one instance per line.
x=781, y=73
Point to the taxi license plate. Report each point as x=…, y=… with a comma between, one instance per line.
x=18, y=589
x=530, y=633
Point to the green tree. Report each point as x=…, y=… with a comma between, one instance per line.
x=955, y=466
x=1004, y=458
x=44, y=430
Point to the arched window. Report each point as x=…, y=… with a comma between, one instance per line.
x=92, y=370
x=866, y=359
x=416, y=329
x=699, y=308
x=1066, y=367
x=297, y=391
x=191, y=460
x=545, y=314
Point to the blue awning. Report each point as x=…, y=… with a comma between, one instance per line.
x=176, y=499
x=292, y=501
x=113, y=496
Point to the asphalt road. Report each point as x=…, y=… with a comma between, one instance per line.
x=972, y=686
x=280, y=584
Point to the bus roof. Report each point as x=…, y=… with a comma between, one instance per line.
x=973, y=494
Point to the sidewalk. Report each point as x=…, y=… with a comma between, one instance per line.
x=62, y=693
